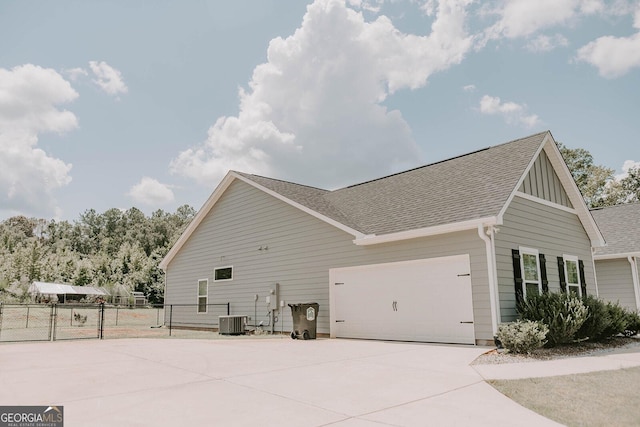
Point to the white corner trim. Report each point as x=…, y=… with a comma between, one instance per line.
x=545, y=202
x=424, y=232
x=634, y=275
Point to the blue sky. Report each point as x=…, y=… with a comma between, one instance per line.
x=148, y=104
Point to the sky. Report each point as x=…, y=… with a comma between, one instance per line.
x=148, y=104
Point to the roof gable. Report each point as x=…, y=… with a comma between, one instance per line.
x=620, y=226
x=452, y=195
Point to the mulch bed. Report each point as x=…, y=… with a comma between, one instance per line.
x=580, y=349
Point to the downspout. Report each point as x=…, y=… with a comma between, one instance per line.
x=595, y=272
x=634, y=275
x=488, y=242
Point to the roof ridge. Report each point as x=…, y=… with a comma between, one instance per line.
x=442, y=161
x=279, y=180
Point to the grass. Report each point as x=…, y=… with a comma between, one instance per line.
x=606, y=398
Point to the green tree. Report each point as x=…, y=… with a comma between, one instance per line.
x=595, y=182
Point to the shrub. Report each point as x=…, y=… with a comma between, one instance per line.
x=619, y=318
x=633, y=324
x=597, y=322
x=522, y=336
x=563, y=314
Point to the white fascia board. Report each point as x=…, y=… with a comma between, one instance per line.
x=425, y=232
x=562, y=171
x=624, y=255
x=545, y=202
x=521, y=180
x=339, y=225
x=195, y=222
x=564, y=174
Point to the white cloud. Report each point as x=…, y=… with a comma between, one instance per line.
x=523, y=18
x=29, y=96
x=614, y=56
x=469, y=88
x=545, y=43
x=108, y=78
x=512, y=113
x=312, y=112
x=151, y=192
x=76, y=73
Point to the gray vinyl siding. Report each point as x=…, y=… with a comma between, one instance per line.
x=542, y=182
x=553, y=232
x=301, y=250
x=615, y=282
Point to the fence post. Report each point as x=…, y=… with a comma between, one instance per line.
x=157, y=316
x=170, y=317
x=228, y=308
x=27, y=325
x=101, y=322
x=117, y=313
x=1, y=312
x=52, y=322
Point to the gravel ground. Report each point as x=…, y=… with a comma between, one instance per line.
x=561, y=352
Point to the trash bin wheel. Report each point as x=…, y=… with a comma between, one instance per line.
x=293, y=335
x=305, y=335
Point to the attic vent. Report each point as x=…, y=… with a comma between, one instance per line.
x=231, y=325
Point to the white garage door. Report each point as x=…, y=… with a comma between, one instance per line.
x=424, y=300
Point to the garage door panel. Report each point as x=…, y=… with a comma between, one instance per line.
x=424, y=300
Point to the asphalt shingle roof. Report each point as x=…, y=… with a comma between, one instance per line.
x=620, y=226
x=472, y=186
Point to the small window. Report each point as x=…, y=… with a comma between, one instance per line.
x=203, y=295
x=572, y=275
x=531, y=271
x=223, y=273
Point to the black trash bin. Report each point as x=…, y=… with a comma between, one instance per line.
x=305, y=319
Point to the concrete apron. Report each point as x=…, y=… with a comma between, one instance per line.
x=265, y=382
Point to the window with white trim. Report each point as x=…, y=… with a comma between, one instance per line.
x=203, y=295
x=572, y=275
x=222, y=274
x=530, y=264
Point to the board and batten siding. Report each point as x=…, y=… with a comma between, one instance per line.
x=553, y=232
x=543, y=182
x=615, y=282
x=301, y=250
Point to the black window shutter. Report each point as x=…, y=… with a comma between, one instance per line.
x=543, y=273
x=583, y=282
x=563, y=281
x=517, y=276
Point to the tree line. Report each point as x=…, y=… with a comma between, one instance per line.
x=124, y=248
x=114, y=249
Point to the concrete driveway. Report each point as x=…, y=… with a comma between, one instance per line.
x=256, y=382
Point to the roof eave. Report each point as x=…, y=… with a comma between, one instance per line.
x=616, y=256
x=217, y=193
x=425, y=232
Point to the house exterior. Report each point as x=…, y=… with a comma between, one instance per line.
x=440, y=253
x=617, y=264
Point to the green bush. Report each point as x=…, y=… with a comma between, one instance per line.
x=633, y=324
x=522, y=336
x=563, y=314
x=598, y=321
x=619, y=317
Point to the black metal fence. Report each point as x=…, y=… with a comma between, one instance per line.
x=54, y=322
